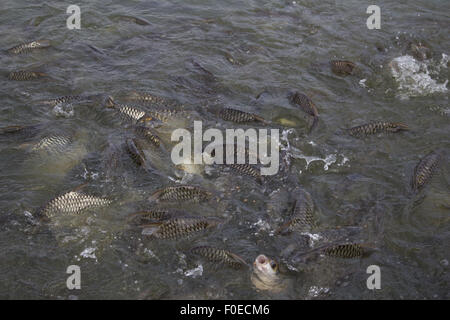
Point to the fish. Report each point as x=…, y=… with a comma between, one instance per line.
x=60, y=100
x=21, y=130
x=135, y=151
x=151, y=215
x=302, y=219
x=266, y=275
x=342, y=250
x=24, y=75
x=71, y=203
x=232, y=60
x=248, y=170
x=161, y=115
x=307, y=106
x=342, y=67
x=131, y=113
x=376, y=127
x=148, y=98
x=53, y=144
x=136, y=20
x=220, y=256
x=420, y=51
x=147, y=134
x=234, y=115
x=345, y=251
x=182, y=193
x=28, y=47
x=179, y=227
x=424, y=170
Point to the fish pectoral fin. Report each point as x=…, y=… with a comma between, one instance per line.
x=151, y=228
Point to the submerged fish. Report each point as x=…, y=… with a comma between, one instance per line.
x=420, y=51
x=23, y=75
x=181, y=193
x=229, y=114
x=150, y=216
x=302, y=219
x=27, y=47
x=136, y=152
x=424, y=170
x=149, y=98
x=148, y=135
x=266, y=275
x=128, y=112
x=337, y=250
x=307, y=106
x=53, y=144
x=248, y=170
x=220, y=256
x=162, y=115
x=136, y=20
x=26, y=131
x=72, y=202
x=342, y=67
x=346, y=251
x=176, y=228
x=377, y=127
x=59, y=100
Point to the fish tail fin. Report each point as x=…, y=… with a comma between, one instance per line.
x=110, y=102
x=314, y=124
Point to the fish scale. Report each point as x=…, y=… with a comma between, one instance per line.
x=307, y=106
x=148, y=135
x=229, y=114
x=247, y=169
x=71, y=203
x=28, y=47
x=23, y=75
x=302, y=219
x=59, y=100
x=342, y=67
x=219, y=256
x=425, y=169
x=181, y=193
x=181, y=227
x=55, y=144
x=347, y=251
x=377, y=127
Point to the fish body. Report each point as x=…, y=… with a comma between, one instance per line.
x=148, y=135
x=182, y=193
x=150, y=216
x=24, y=75
x=307, y=106
x=53, y=144
x=28, y=47
x=342, y=67
x=181, y=227
x=131, y=113
x=345, y=251
x=302, y=219
x=424, y=170
x=247, y=169
x=60, y=100
x=234, y=115
x=26, y=131
x=219, y=256
x=148, y=98
x=136, y=152
x=72, y=202
x=376, y=127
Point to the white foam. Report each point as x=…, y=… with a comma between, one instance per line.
x=413, y=77
x=194, y=273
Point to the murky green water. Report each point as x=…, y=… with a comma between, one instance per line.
x=278, y=47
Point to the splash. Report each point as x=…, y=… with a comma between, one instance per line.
x=413, y=77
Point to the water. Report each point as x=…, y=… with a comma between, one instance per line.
x=277, y=47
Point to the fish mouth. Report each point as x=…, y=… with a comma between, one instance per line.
x=261, y=259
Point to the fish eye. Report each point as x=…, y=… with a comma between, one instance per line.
x=273, y=265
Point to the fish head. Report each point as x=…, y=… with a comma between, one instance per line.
x=399, y=126
x=265, y=266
